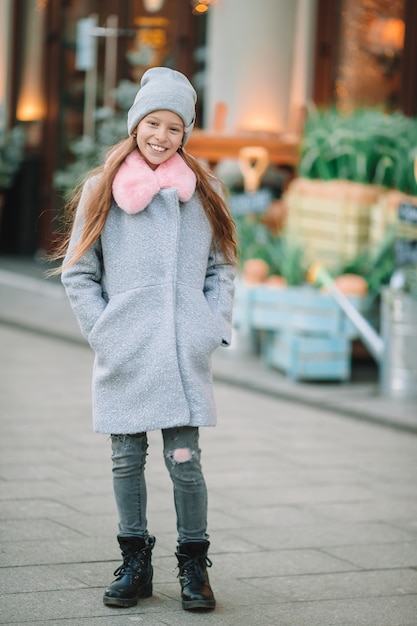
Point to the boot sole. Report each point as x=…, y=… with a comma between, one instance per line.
x=127, y=602
x=189, y=605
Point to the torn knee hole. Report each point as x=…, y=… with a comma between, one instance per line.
x=182, y=455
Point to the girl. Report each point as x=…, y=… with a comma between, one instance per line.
x=149, y=269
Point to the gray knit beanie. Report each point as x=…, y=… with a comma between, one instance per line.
x=164, y=89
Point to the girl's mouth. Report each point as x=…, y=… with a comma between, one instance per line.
x=157, y=148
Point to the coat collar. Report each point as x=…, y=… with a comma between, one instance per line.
x=135, y=183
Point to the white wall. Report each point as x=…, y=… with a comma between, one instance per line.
x=250, y=61
x=300, y=93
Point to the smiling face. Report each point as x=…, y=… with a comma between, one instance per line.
x=158, y=136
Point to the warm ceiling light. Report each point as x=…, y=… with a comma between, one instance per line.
x=385, y=42
x=386, y=33
x=200, y=6
x=153, y=5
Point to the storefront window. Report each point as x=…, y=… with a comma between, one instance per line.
x=370, y=53
x=169, y=36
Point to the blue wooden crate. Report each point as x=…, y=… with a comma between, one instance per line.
x=304, y=357
x=242, y=306
x=304, y=309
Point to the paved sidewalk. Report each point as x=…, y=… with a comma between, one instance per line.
x=312, y=514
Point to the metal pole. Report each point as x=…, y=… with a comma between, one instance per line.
x=374, y=343
x=110, y=62
x=91, y=89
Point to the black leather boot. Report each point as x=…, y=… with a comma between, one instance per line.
x=193, y=561
x=134, y=575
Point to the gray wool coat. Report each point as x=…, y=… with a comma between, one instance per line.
x=153, y=296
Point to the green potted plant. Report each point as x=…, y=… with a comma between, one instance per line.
x=12, y=144
x=87, y=152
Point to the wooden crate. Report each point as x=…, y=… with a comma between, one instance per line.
x=300, y=330
x=303, y=309
x=304, y=357
x=330, y=218
x=242, y=305
x=384, y=215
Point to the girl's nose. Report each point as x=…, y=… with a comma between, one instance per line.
x=161, y=133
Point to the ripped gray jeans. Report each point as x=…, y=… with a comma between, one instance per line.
x=182, y=459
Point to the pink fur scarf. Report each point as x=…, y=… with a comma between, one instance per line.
x=135, y=183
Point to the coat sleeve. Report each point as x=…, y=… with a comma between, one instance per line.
x=82, y=280
x=219, y=291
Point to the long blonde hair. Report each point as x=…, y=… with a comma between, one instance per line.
x=99, y=200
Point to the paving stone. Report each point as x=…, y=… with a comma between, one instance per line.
x=379, y=556
x=325, y=535
x=346, y=585
x=377, y=509
x=12, y=531
x=387, y=611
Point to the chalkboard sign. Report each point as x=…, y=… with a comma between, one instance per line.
x=405, y=249
x=407, y=213
x=250, y=203
x=405, y=252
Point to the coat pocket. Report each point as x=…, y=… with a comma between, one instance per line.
x=198, y=330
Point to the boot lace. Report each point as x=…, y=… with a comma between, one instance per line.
x=195, y=566
x=131, y=566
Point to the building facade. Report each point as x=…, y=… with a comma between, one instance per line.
x=256, y=66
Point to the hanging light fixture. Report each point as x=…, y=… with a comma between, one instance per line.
x=200, y=6
x=385, y=42
x=153, y=5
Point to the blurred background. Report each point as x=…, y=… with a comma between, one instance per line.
x=307, y=111
x=256, y=67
